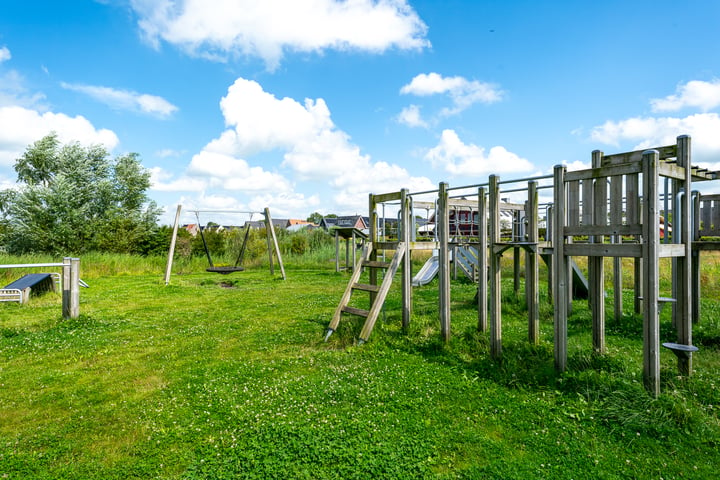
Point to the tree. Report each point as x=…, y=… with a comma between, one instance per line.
x=315, y=218
x=73, y=199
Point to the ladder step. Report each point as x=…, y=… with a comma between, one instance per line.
x=356, y=311
x=376, y=264
x=365, y=287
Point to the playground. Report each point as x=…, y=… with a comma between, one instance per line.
x=235, y=376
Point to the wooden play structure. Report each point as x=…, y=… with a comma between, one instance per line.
x=612, y=209
x=69, y=280
x=272, y=243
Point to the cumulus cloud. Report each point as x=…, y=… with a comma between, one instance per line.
x=694, y=94
x=163, y=181
x=230, y=173
x=302, y=142
x=314, y=147
x=20, y=127
x=649, y=132
x=126, y=99
x=462, y=92
x=269, y=28
x=4, y=54
x=461, y=159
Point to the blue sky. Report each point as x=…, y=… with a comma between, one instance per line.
x=309, y=105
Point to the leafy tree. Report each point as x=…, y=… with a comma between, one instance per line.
x=315, y=218
x=73, y=199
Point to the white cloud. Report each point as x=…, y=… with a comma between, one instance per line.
x=168, y=153
x=4, y=54
x=126, y=99
x=285, y=204
x=411, y=117
x=305, y=146
x=649, y=132
x=696, y=94
x=163, y=181
x=460, y=159
x=20, y=127
x=269, y=28
x=229, y=173
x=261, y=122
x=463, y=93
x=14, y=93
x=315, y=148
x=575, y=165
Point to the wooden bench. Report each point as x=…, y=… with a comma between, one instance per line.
x=21, y=289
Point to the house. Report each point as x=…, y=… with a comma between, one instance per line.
x=192, y=228
x=351, y=221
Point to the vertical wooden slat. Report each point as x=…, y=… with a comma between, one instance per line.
x=684, y=275
x=650, y=247
x=706, y=213
x=616, y=219
x=407, y=228
x=587, y=202
x=560, y=270
x=444, y=260
x=596, y=264
x=573, y=205
x=632, y=217
x=695, y=267
x=373, y=273
x=482, y=260
x=632, y=197
x=532, y=274
x=495, y=274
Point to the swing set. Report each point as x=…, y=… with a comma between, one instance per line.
x=224, y=269
x=237, y=267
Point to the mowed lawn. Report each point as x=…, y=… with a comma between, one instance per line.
x=228, y=377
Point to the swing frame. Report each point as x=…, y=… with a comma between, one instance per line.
x=273, y=247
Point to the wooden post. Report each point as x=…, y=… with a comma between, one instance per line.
x=695, y=266
x=560, y=270
x=597, y=272
x=173, y=240
x=482, y=261
x=616, y=219
x=405, y=222
x=633, y=215
x=532, y=273
x=516, y=266
x=443, y=225
x=71, y=287
x=495, y=273
x=271, y=235
x=650, y=248
x=684, y=278
x=373, y=273
x=337, y=252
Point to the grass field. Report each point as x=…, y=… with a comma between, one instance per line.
x=228, y=377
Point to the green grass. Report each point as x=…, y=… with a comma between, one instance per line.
x=228, y=377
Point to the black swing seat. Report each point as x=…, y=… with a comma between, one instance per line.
x=680, y=350
x=224, y=270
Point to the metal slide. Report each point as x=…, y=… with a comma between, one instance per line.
x=427, y=272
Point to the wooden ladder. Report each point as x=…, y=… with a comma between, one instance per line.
x=378, y=293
